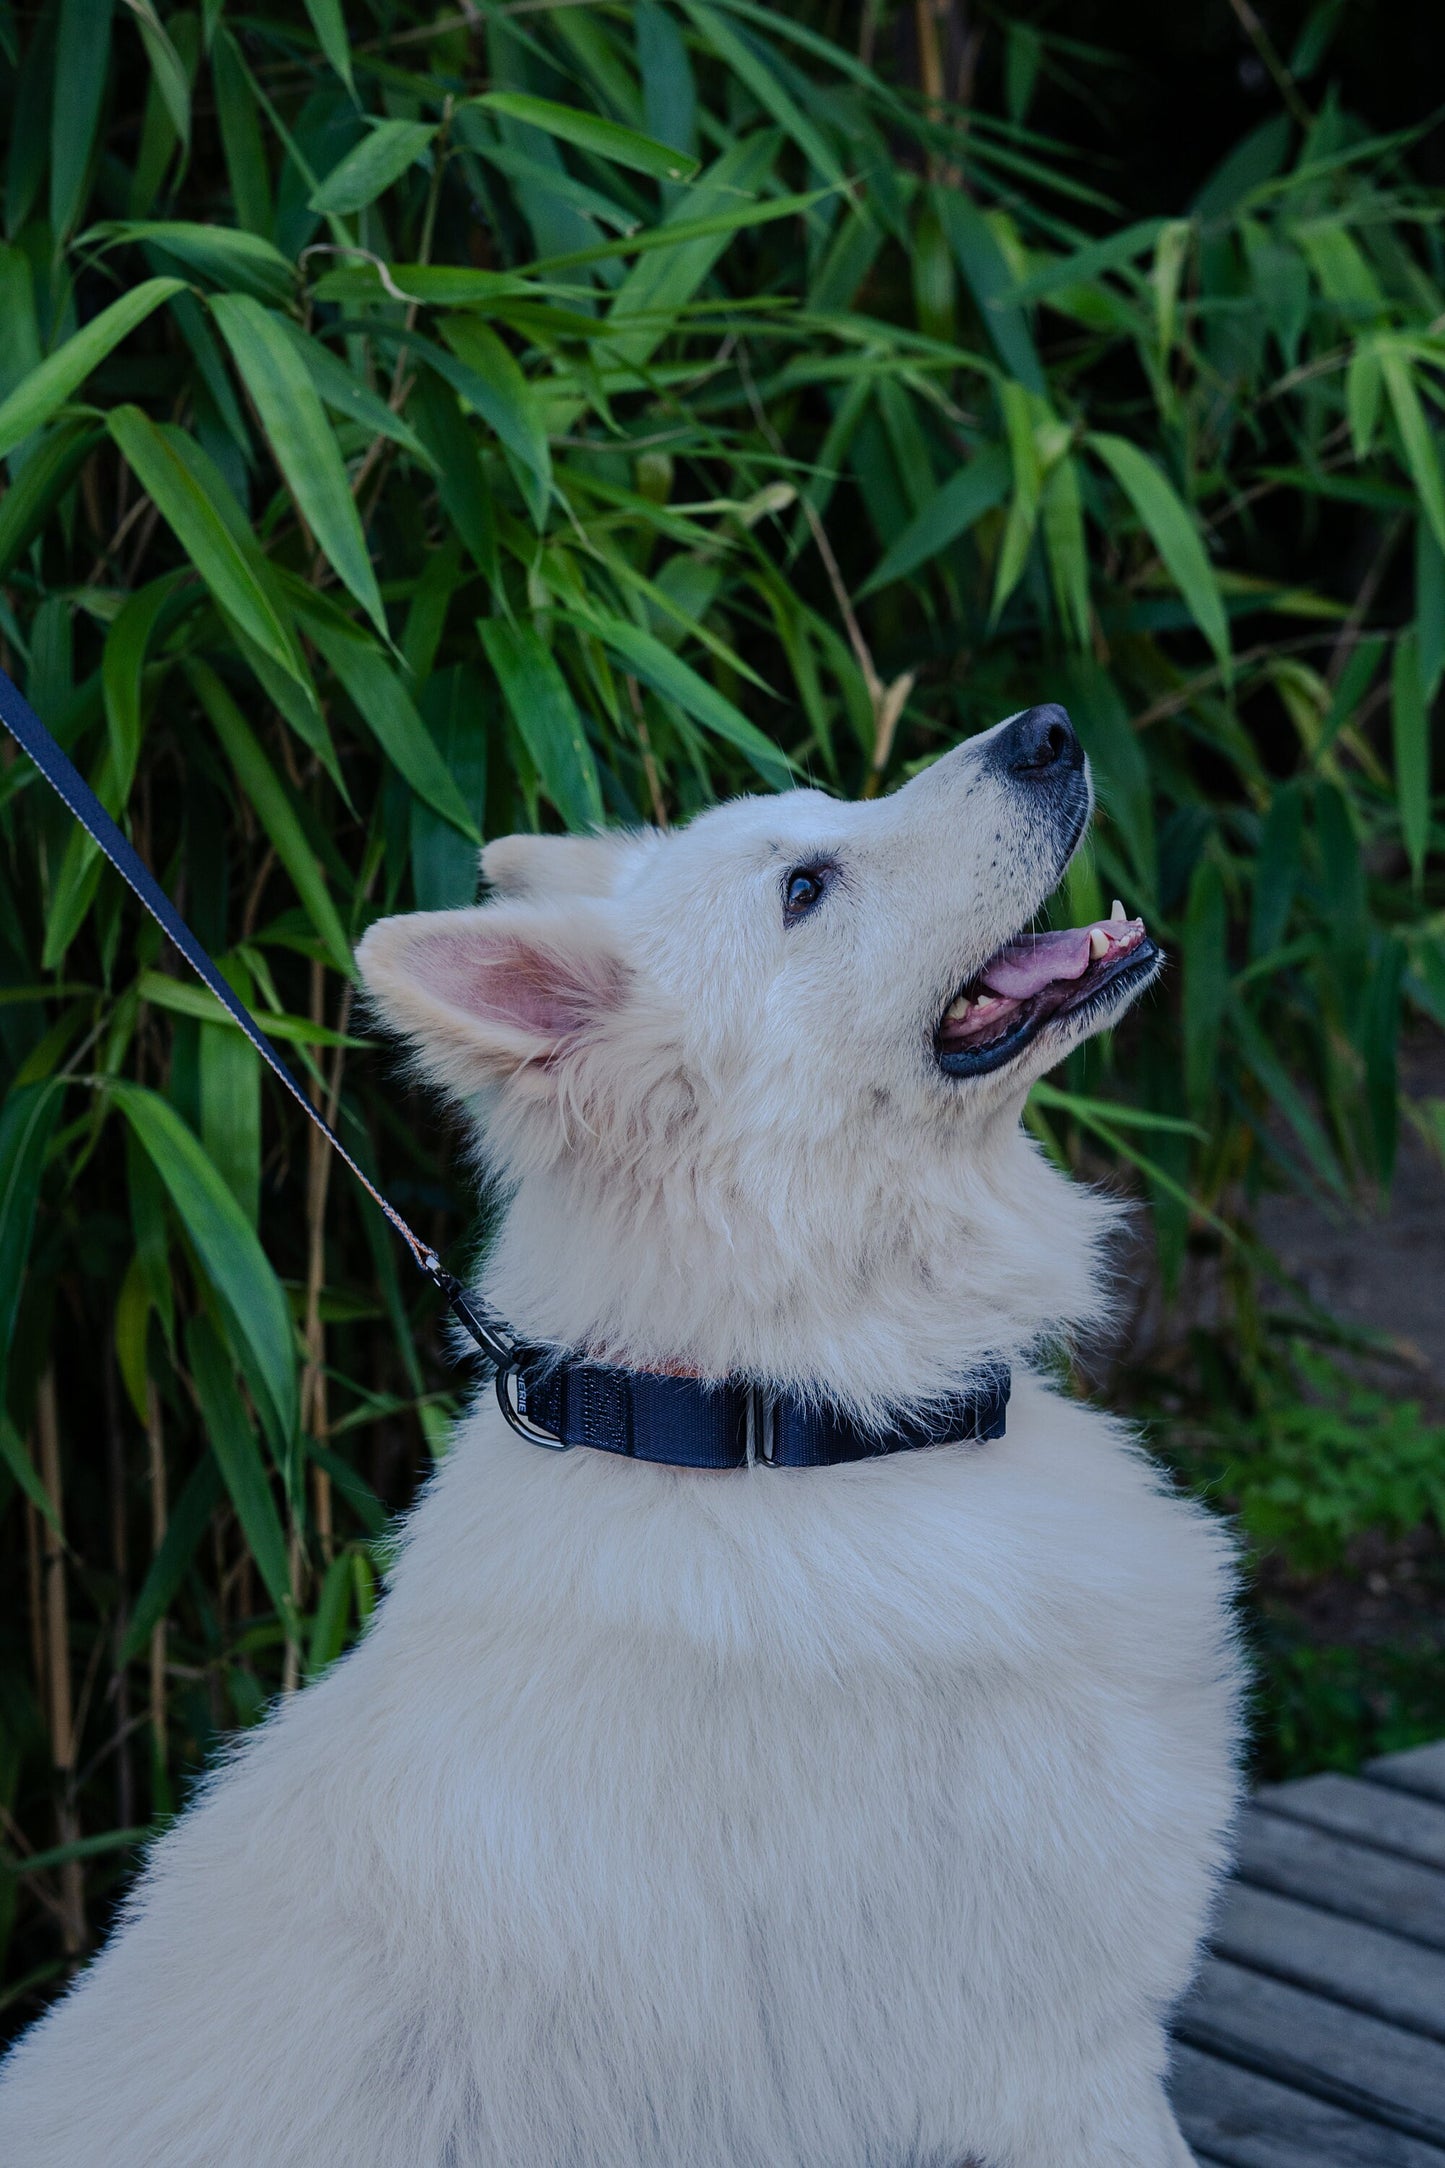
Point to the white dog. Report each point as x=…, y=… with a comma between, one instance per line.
x=851, y=1816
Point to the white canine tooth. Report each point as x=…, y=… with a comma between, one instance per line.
x=960, y=1007
x=1117, y=913
x=986, y=1002
x=1098, y=943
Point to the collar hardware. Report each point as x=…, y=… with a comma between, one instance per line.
x=559, y=1401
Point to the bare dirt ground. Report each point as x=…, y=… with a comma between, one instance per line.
x=1385, y=1271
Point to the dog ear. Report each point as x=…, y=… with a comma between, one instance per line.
x=493, y=992
x=531, y=865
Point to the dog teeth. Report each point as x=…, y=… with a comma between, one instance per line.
x=1098, y=943
x=959, y=1008
x=1117, y=914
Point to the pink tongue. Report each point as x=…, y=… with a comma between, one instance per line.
x=1028, y=966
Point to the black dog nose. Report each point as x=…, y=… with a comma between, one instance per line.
x=1043, y=742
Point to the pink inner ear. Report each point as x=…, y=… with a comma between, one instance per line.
x=501, y=979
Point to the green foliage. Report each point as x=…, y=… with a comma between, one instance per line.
x=1322, y=1460
x=421, y=427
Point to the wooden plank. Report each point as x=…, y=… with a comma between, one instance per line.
x=1395, y=1820
x=1371, y=2069
x=1248, y=2121
x=1355, y=1964
x=1354, y=1880
x=1419, y=1769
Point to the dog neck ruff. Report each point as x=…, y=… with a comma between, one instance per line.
x=551, y=1400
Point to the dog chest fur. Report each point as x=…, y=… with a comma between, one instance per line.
x=871, y=1819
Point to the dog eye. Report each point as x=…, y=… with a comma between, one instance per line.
x=802, y=888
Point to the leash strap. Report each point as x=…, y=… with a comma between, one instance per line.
x=25, y=726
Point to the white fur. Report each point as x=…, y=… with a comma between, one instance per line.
x=861, y=1817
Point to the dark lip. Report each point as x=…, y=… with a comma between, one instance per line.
x=1102, y=988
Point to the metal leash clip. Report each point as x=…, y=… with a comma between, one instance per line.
x=509, y=1356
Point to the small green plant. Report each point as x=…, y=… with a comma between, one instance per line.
x=1325, y=1459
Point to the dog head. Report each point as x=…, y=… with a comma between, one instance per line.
x=755, y=1083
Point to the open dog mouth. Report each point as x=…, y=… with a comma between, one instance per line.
x=1037, y=978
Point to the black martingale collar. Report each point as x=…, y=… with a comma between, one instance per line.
x=722, y=1423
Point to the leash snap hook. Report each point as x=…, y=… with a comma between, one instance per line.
x=513, y=1405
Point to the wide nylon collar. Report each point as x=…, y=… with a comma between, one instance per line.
x=723, y=1423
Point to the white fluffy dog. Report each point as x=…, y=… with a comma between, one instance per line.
x=858, y=1816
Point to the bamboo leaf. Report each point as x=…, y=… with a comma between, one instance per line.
x=387, y=711
x=306, y=451
x=1063, y=525
x=1276, y=870
x=662, y=282
x=344, y=392
x=184, y=1530
x=1421, y=457
x=27, y=1124
x=590, y=132
x=546, y=716
x=1285, y=1094
x=229, y=1089
x=368, y=170
x=329, y=23
x=167, y=68
x=225, y=255
x=669, y=675
x=238, y=1456
x=1411, y=719
x=191, y=500
x=37, y=396
x=492, y=383
x=82, y=62
x=36, y=490
x=1429, y=609
x=192, y=998
x=132, y=1336
x=15, y=1457
x=264, y=791
x=669, y=90
x=241, y=139
x=959, y=504
x=1088, y=262
x=985, y=269
x=328, y=1630
x=228, y=1251
x=122, y=673
x=1173, y=532
x=749, y=60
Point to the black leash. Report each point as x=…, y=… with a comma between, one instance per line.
x=550, y=1398
x=25, y=726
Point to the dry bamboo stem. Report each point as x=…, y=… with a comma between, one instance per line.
x=120, y=1559
x=59, y=1709
x=34, y=1579
x=155, y=1439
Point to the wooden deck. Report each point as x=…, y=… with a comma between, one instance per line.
x=1315, y=2036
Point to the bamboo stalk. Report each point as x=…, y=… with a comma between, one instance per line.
x=120, y=1560
x=59, y=1710
x=156, y=1470
x=34, y=1576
